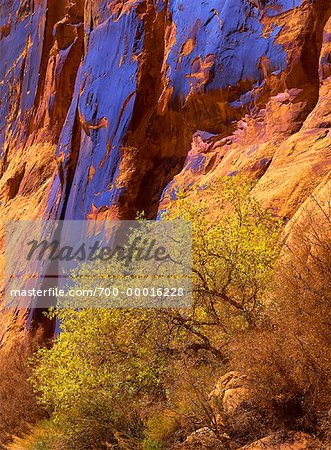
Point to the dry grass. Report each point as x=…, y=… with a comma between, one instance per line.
x=288, y=359
x=18, y=406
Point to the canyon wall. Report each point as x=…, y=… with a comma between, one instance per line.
x=109, y=107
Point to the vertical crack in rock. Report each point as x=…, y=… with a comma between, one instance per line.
x=156, y=144
x=62, y=54
x=55, y=11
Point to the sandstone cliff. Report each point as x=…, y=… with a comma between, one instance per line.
x=109, y=107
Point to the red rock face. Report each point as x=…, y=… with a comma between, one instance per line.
x=106, y=104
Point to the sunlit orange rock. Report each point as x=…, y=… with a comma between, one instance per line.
x=109, y=107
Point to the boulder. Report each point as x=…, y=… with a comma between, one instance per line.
x=230, y=394
x=202, y=439
x=292, y=440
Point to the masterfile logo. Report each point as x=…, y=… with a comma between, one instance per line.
x=98, y=264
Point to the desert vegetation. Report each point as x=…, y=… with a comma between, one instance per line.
x=251, y=357
x=18, y=404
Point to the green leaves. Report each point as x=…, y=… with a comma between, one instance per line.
x=235, y=247
x=108, y=366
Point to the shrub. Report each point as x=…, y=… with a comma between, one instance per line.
x=188, y=407
x=18, y=405
x=104, y=368
x=287, y=360
x=109, y=371
x=43, y=436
